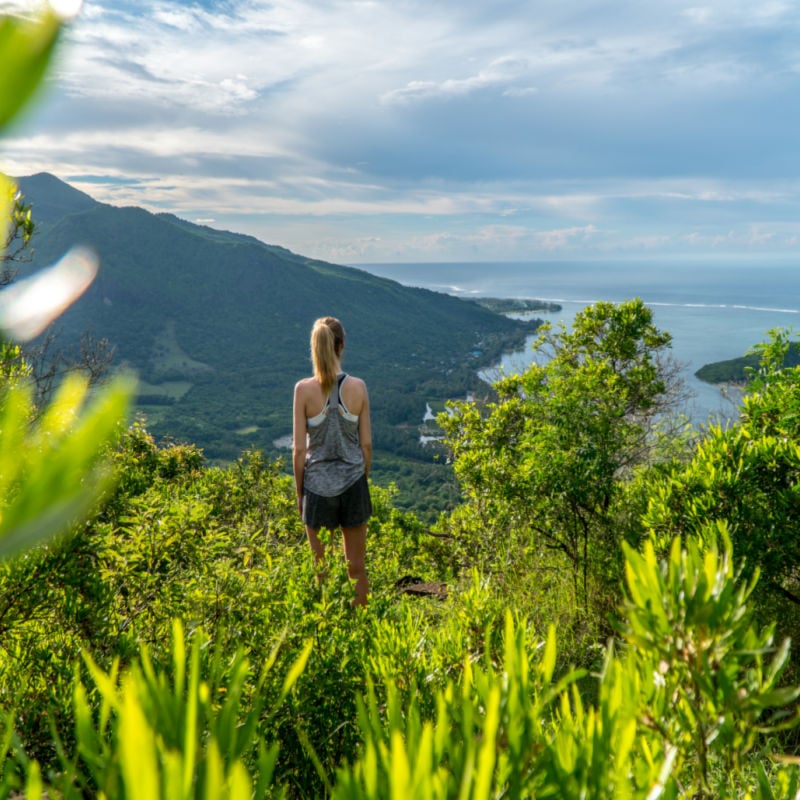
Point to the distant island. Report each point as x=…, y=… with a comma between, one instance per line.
x=516, y=304
x=735, y=370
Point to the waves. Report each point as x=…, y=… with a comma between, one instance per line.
x=688, y=305
x=727, y=288
x=460, y=291
x=731, y=306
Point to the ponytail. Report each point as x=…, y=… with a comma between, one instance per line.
x=327, y=341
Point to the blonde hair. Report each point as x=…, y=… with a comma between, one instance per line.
x=327, y=342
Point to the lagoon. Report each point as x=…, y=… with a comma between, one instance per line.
x=715, y=309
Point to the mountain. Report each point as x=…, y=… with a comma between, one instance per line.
x=217, y=324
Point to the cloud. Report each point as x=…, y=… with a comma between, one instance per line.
x=699, y=15
x=500, y=72
x=405, y=130
x=561, y=238
x=520, y=91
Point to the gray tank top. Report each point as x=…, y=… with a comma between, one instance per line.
x=334, y=461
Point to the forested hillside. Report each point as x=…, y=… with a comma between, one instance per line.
x=737, y=370
x=216, y=325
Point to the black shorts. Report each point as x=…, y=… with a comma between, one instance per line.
x=353, y=507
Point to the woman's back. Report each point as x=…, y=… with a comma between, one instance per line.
x=334, y=460
x=353, y=392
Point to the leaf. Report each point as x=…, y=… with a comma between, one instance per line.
x=240, y=785
x=296, y=670
x=53, y=520
x=137, y=748
x=33, y=785
x=61, y=460
x=548, y=663
x=27, y=47
x=488, y=750
x=400, y=770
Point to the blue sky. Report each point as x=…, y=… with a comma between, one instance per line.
x=437, y=130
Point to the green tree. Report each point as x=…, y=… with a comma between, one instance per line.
x=544, y=462
x=19, y=230
x=748, y=477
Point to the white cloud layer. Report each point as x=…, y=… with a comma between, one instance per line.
x=369, y=130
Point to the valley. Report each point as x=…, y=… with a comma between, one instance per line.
x=215, y=325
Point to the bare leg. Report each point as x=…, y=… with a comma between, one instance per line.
x=354, y=541
x=317, y=546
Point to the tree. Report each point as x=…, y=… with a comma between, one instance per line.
x=747, y=477
x=19, y=230
x=546, y=459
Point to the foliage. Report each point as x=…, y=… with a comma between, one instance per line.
x=713, y=689
x=50, y=474
x=740, y=370
x=180, y=733
x=19, y=231
x=457, y=752
x=26, y=47
x=516, y=304
x=409, y=682
x=677, y=709
x=224, y=551
x=544, y=463
x=406, y=695
x=746, y=477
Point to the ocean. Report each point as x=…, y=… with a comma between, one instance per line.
x=713, y=309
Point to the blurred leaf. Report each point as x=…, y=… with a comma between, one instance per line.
x=27, y=46
x=52, y=475
x=137, y=747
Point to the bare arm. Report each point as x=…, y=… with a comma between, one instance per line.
x=299, y=430
x=365, y=433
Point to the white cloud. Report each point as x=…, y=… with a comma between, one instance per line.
x=565, y=130
x=520, y=91
x=184, y=19
x=499, y=72
x=561, y=238
x=699, y=14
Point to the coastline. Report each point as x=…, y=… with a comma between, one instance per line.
x=715, y=309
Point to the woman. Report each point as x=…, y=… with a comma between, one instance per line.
x=332, y=452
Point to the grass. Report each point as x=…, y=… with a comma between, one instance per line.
x=169, y=358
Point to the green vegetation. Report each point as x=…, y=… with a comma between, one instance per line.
x=601, y=635
x=576, y=424
x=510, y=305
x=273, y=685
x=181, y=634
x=55, y=452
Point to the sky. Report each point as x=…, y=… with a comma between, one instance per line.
x=361, y=131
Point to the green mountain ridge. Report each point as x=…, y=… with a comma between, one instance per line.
x=216, y=324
